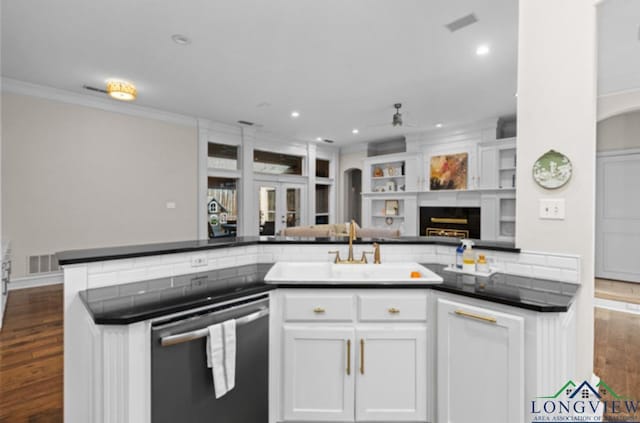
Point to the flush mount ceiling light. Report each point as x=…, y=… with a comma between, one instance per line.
x=295, y=114
x=180, y=39
x=483, y=50
x=121, y=90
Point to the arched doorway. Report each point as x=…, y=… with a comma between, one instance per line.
x=353, y=195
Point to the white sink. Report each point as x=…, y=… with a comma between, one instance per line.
x=330, y=273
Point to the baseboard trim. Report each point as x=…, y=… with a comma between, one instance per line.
x=617, y=306
x=35, y=281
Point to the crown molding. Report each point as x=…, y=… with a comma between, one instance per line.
x=15, y=86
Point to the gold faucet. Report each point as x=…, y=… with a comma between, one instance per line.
x=350, y=259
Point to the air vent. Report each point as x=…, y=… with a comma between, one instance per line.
x=42, y=264
x=464, y=21
x=328, y=141
x=245, y=122
x=94, y=89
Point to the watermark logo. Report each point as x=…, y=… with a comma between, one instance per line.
x=585, y=403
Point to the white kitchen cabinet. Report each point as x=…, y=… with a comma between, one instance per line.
x=480, y=356
x=497, y=164
x=391, y=383
x=319, y=373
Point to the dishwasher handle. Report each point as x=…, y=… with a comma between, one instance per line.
x=166, y=341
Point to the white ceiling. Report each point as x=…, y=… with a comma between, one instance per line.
x=342, y=64
x=618, y=46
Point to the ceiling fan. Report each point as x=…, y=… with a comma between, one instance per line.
x=396, y=120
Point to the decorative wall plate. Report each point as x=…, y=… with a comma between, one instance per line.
x=552, y=170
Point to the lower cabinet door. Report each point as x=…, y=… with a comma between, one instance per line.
x=319, y=373
x=480, y=364
x=391, y=374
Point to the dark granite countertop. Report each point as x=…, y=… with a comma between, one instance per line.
x=133, y=251
x=138, y=301
x=134, y=302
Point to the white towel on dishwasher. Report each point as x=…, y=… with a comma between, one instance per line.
x=229, y=329
x=221, y=356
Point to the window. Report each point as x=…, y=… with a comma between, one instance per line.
x=222, y=156
x=222, y=207
x=322, y=168
x=275, y=163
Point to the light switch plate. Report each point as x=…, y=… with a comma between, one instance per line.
x=552, y=208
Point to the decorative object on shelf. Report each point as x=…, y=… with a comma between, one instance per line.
x=389, y=221
x=391, y=207
x=449, y=172
x=401, y=187
x=390, y=171
x=379, y=189
x=391, y=186
x=378, y=172
x=552, y=170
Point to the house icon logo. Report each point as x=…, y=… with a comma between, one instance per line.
x=585, y=391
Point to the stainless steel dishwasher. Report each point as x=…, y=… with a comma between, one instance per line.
x=182, y=385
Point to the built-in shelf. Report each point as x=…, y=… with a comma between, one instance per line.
x=377, y=178
x=506, y=169
x=382, y=216
x=507, y=219
x=391, y=193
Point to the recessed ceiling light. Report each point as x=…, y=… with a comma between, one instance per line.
x=319, y=139
x=121, y=90
x=482, y=50
x=295, y=114
x=355, y=131
x=515, y=95
x=183, y=40
x=438, y=125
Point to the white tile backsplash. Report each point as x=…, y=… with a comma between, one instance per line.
x=530, y=264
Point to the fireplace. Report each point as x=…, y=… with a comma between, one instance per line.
x=455, y=222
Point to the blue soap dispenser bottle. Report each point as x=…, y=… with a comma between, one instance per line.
x=459, y=253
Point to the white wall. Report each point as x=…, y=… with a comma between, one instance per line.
x=78, y=177
x=557, y=110
x=619, y=132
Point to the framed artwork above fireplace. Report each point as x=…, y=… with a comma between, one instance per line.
x=449, y=172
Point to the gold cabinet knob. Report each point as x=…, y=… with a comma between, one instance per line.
x=319, y=310
x=394, y=310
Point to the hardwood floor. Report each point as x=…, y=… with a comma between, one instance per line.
x=628, y=292
x=31, y=344
x=617, y=351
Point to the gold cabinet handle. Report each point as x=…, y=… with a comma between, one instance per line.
x=348, y=356
x=394, y=310
x=476, y=316
x=319, y=310
x=361, y=356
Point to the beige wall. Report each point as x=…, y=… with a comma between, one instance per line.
x=619, y=132
x=77, y=177
x=557, y=110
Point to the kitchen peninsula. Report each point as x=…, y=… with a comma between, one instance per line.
x=114, y=297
